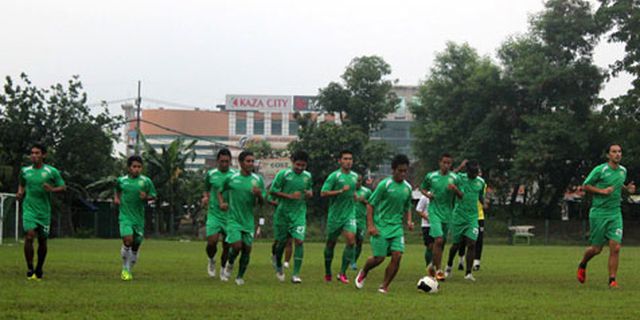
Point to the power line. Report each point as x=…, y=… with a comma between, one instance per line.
x=98, y=104
x=181, y=133
x=170, y=103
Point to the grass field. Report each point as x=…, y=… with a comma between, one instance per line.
x=82, y=282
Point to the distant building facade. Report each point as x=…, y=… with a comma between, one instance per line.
x=246, y=117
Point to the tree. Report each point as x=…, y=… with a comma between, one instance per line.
x=619, y=21
x=324, y=141
x=167, y=171
x=531, y=118
x=260, y=148
x=553, y=89
x=80, y=139
x=461, y=111
x=365, y=98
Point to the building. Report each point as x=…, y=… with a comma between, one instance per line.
x=246, y=117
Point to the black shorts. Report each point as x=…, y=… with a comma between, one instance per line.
x=426, y=237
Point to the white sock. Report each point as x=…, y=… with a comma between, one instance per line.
x=125, y=252
x=134, y=258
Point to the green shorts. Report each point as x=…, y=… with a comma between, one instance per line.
x=335, y=227
x=39, y=224
x=469, y=230
x=235, y=234
x=438, y=229
x=285, y=227
x=131, y=229
x=604, y=229
x=215, y=225
x=383, y=247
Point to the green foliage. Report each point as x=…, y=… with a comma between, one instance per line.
x=528, y=120
x=260, y=148
x=461, y=111
x=365, y=97
x=167, y=171
x=324, y=141
x=79, y=139
x=620, y=19
x=60, y=118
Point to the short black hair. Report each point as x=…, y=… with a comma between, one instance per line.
x=133, y=159
x=40, y=146
x=398, y=160
x=244, y=154
x=343, y=152
x=445, y=155
x=223, y=152
x=300, y=155
x=473, y=165
x=608, y=149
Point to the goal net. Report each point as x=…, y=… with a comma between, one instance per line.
x=9, y=218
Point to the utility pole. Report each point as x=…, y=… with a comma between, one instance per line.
x=138, y=103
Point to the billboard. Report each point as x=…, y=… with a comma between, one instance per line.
x=270, y=166
x=306, y=103
x=258, y=103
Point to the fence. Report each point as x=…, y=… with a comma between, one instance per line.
x=100, y=220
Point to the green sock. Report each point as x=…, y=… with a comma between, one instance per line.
x=244, y=262
x=328, y=258
x=280, y=252
x=347, y=257
x=358, y=251
x=428, y=256
x=297, y=259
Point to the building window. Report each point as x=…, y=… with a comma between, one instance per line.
x=258, y=127
x=241, y=126
x=293, y=127
x=276, y=127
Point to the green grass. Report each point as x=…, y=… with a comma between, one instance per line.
x=82, y=282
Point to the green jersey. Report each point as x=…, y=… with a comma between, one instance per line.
x=288, y=181
x=603, y=176
x=441, y=206
x=131, y=206
x=213, y=183
x=343, y=205
x=466, y=209
x=390, y=201
x=361, y=207
x=37, y=200
x=242, y=200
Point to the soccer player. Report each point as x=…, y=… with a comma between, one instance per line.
x=465, y=217
x=216, y=218
x=36, y=183
x=340, y=189
x=422, y=208
x=479, y=242
x=362, y=195
x=441, y=188
x=390, y=201
x=133, y=191
x=606, y=182
x=245, y=189
x=288, y=247
x=291, y=187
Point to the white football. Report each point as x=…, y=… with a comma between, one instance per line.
x=428, y=284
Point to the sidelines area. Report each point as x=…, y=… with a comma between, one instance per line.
x=3, y=197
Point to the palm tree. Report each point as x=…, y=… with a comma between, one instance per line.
x=167, y=171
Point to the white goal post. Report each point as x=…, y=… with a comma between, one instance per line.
x=3, y=197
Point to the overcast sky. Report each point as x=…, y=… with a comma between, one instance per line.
x=195, y=52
